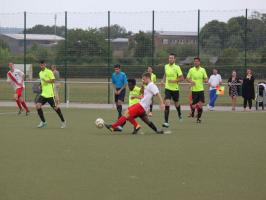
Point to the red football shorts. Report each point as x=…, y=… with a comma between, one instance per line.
x=19, y=91
x=136, y=110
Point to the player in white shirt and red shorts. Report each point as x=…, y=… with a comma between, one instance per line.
x=139, y=109
x=16, y=78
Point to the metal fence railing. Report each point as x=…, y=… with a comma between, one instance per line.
x=86, y=45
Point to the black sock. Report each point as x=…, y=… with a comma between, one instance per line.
x=178, y=108
x=151, y=107
x=166, y=113
x=119, y=110
x=40, y=113
x=58, y=111
x=193, y=112
x=152, y=126
x=200, y=110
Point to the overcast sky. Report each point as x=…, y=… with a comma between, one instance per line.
x=181, y=15
x=123, y=5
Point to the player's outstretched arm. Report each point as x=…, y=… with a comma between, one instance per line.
x=161, y=100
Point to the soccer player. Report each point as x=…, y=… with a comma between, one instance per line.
x=119, y=80
x=153, y=79
x=139, y=109
x=47, y=95
x=172, y=76
x=16, y=78
x=196, y=77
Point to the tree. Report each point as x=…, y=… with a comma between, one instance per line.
x=41, y=29
x=116, y=31
x=143, y=45
x=229, y=56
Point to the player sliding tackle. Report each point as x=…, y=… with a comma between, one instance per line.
x=16, y=78
x=139, y=109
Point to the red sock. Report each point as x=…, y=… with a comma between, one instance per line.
x=133, y=122
x=19, y=104
x=24, y=106
x=119, y=122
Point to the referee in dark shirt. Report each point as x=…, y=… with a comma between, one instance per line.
x=119, y=80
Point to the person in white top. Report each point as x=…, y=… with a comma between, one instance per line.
x=214, y=81
x=139, y=109
x=16, y=78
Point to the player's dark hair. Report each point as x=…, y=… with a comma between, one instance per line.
x=117, y=66
x=147, y=74
x=132, y=81
x=172, y=54
x=197, y=58
x=42, y=61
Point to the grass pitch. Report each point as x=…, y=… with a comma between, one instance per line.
x=222, y=158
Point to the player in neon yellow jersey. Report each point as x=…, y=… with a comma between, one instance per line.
x=153, y=79
x=47, y=95
x=197, y=76
x=172, y=76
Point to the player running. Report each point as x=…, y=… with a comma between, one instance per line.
x=197, y=76
x=139, y=109
x=16, y=78
x=172, y=76
x=47, y=95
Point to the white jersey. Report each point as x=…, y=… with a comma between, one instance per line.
x=214, y=81
x=150, y=90
x=15, y=78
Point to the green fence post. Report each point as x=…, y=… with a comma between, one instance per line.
x=198, y=51
x=153, y=32
x=65, y=57
x=108, y=57
x=25, y=52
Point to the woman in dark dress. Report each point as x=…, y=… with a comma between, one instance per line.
x=248, y=91
x=234, y=88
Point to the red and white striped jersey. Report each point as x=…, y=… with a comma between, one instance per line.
x=15, y=78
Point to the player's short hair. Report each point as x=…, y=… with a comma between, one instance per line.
x=117, y=66
x=42, y=62
x=132, y=81
x=197, y=58
x=172, y=54
x=146, y=74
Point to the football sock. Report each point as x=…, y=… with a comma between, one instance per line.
x=58, y=111
x=40, y=113
x=178, y=108
x=192, y=111
x=200, y=110
x=151, y=107
x=24, y=106
x=166, y=113
x=152, y=126
x=119, y=110
x=133, y=122
x=119, y=122
x=19, y=104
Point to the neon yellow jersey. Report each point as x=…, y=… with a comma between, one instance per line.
x=172, y=72
x=197, y=75
x=153, y=78
x=47, y=88
x=136, y=92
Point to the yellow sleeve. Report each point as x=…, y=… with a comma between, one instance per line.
x=51, y=75
x=179, y=71
x=205, y=74
x=189, y=74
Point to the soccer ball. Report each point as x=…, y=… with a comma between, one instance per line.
x=99, y=122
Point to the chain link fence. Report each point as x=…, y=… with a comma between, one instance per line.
x=84, y=46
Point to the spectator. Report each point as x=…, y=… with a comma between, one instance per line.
x=234, y=88
x=248, y=91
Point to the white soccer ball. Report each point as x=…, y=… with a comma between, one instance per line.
x=99, y=122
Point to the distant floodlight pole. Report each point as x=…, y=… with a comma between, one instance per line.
x=198, y=51
x=153, y=32
x=65, y=57
x=108, y=57
x=245, y=43
x=25, y=49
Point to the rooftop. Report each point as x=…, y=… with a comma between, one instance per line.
x=37, y=37
x=177, y=33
